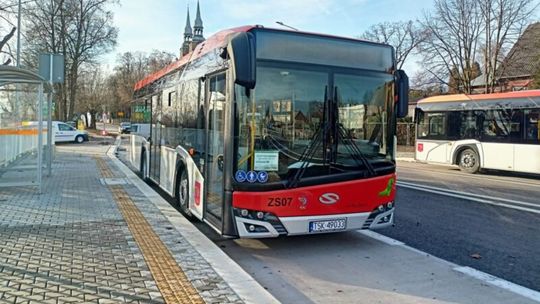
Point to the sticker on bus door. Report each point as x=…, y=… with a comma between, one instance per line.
x=197, y=194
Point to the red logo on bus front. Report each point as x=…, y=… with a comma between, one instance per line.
x=420, y=147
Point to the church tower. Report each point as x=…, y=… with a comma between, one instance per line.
x=198, y=27
x=188, y=36
x=192, y=37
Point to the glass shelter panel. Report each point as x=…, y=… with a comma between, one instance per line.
x=19, y=134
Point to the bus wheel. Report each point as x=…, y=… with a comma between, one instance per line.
x=182, y=197
x=469, y=161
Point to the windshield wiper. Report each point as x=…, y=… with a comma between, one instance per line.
x=329, y=134
x=353, y=148
x=318, y=137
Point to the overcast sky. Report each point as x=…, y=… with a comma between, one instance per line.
x=145, y=25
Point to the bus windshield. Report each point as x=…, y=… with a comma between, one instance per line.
x=321, y=121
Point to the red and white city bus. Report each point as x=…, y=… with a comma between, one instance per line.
x=263, y=132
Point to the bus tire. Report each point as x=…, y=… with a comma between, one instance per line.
x=182, y=193
x=469, y=161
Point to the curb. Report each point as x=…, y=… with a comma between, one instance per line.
x=406, y=159
x=249, y=290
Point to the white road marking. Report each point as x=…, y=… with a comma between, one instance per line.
x=521, y=182
x=473, y=197
x=474, y=273
x=493, y=280
x=381, y=238
x=476, y=195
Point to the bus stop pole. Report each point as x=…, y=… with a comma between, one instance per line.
x=49, y=120
x=40, y=139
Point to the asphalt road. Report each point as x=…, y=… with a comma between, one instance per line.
x=498, y=233
x=501, y=241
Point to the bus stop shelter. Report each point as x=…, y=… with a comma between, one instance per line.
x=23, y=129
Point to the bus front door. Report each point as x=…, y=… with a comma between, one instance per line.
x=215, y=98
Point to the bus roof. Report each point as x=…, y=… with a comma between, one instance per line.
x=466, y=97
x=220, y=40
x=217, y=40
x=519, y=99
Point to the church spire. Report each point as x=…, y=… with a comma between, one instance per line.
x=198, y=26
x=187, y=31
x=188, y=37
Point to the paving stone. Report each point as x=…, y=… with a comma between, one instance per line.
x=72, y=244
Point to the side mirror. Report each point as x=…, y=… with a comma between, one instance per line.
x=241, y=50
x=402, y=93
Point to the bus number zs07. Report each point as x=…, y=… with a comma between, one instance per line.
x=279, y=201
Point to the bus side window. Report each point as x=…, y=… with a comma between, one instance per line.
x=436, y=124
x=532, y=125
x=423, y=128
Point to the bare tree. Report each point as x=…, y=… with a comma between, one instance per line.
x=92, y=93
x=504, y=22
x=403, y=36
x=130, y=68
x=6, y=9
x=453, y=31
x=82, y=30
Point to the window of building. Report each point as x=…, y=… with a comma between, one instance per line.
x=172, y=98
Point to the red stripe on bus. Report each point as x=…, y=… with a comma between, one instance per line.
x=354, y=197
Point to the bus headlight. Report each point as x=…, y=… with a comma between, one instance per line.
x=244, y=212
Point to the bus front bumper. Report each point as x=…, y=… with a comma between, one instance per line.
x=272, y=226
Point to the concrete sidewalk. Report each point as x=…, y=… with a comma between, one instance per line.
x=97, y=234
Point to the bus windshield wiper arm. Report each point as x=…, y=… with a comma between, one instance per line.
x=318, y=137
x=353, y=148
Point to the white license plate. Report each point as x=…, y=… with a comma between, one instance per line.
x=329, y=225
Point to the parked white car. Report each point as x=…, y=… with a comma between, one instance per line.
x=65, y=133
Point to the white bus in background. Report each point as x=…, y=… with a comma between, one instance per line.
x=487, y=131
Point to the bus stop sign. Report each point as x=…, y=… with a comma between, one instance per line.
x=51, y=67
